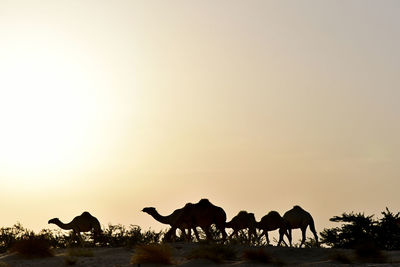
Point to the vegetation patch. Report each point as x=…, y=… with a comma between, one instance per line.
x=341, y=258
x=214, y=252
x=79, y=252
x=369, y=252
x=260, y=255
x=37, y=248
x=70, y=260
x=152, y=253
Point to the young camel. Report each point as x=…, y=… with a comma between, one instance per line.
x=82, y=223
x=243, y=220
x=297, y=218
x=270, y=222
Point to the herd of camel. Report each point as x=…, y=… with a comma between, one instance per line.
x=204, y=214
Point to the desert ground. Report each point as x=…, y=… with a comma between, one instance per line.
x=278, y=256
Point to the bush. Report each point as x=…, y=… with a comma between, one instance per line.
x=152, y=253
x=215, y=252
x=369, y=252
x=259, y=255
x=33, y=247
x=358, y=229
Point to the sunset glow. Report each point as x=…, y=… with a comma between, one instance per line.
x=114, y=106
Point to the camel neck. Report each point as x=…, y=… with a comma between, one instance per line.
x=160, y=218
x=65, y=226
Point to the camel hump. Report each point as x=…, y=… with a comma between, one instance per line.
x=204, y=201
x=297, y=207
x=86, y=214
x=188, y=205
x=273, y=213
x=242, y=212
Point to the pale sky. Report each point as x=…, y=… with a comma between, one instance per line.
x=112, y=106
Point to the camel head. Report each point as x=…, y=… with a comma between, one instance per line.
x=54, y=220
x=149, y=210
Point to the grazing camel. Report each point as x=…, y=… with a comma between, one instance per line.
x=297, y=218
x=82, y=223
x=204, y=214
x=172, y=221
x=243, y=220
x=270, y=222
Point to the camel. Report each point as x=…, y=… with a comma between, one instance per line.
x=204, y=214
x=270, y=222
x=172, y=221
x=82, y=223
x=297, y=218
x=243, y=220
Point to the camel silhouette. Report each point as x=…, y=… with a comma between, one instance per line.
x=270, y=222
x=297, y=218
x=203, y=214
x=243, y=220
x=82, y=223
x=172, y=220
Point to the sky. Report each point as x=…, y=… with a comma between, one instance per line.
x=112, y=106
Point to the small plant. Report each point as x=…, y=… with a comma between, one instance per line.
x=257, y=255
x=369, y=252
x=215, y=252
x=152, y=253
x=32, y=248
x=79, y=252
x=341, y=257
x=70, y=260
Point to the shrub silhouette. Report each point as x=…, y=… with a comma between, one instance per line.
x=358, y=229
x=114, y=236
x=152, y=253
x=32, y=247
x=259, y=255
x=213, y=251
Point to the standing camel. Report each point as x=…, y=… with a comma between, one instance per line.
x=270, y=222
x=297, y=218
x=172, y=220
x=243, y=220
x=204, y=214
x=82, y=223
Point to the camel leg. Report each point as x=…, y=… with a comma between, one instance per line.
x=252, y=235
x=208, y=234
x=289, y=235
x=266, y=236
x=281, y=235
x=303, y=235
x=196, y=234
x=312, y=228
x=221, y=228
x=188, y=236
x=232, y=234
x=249, y=236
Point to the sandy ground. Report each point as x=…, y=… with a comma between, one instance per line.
x=120, y=257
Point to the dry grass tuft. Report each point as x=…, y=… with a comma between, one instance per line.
x=341, y=257
x=259, y=255
x=36, y=248
x=262, y=256
x=152, y=253
x=79, y=252
x=369, y=252
x=70, y=260
x=214, y=252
